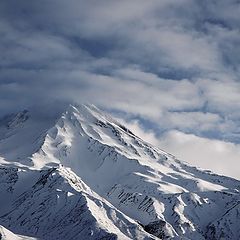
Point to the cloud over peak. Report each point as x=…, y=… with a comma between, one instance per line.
x=174, y=64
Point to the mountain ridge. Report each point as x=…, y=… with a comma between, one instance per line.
x=160, y=195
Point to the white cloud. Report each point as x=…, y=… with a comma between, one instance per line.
x=172, y=63
x=146, y=135
x=223, y=96
x=219, y=156
x=189, y=121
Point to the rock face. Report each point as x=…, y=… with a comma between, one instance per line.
x=82, y=175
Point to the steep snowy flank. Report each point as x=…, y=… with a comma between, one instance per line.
x=5, y=234
x=21, y=135
x=110, y=182
x=60, y=206
x=227, y=226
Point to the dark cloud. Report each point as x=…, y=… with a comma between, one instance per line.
x=149, y=59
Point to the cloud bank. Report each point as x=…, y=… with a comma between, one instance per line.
x=171, y=66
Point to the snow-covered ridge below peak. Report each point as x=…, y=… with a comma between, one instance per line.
x=59, y=205
x=226, y=227
x=21, y=135
x=92, y=143
x=33, y=131
x=101, y=159
x=89, y=123
x=5, y=234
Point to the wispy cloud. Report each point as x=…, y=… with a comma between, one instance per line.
x=174, y=64
x=218, y=156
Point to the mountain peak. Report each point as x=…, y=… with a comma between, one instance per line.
x=99, y=173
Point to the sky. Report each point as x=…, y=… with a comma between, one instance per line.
x=168, y=69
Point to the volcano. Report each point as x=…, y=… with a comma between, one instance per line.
x=79, y=174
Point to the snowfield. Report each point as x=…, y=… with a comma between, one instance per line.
x=82, y=175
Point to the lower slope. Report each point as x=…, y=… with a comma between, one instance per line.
x=60, y=206
x=5, y=234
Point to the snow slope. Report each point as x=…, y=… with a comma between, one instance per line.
x=60, y=206
x=83, y=175
x=5, y=234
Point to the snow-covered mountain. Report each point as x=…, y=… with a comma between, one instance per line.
x=82, y=175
